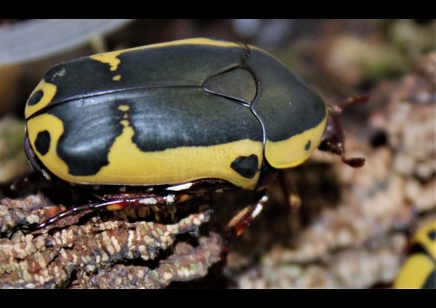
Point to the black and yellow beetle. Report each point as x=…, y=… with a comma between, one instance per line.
x=419, y=270
x=178, y=117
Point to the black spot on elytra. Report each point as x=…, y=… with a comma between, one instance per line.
x=35, y=98
x=42, y=142
x=246, y=166
x=432, y=235
x=307, y=146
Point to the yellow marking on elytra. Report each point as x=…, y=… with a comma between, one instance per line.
x=291, y=152
x=410, y=277
x=116, y=78
x=49, y=91
x=128, y=165
x=124, y=108
x=55, y=127
x=111, y=58
x=124, y=122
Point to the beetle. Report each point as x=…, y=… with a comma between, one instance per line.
x=177, y=118
x=419, y=270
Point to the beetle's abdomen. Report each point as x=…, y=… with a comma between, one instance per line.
x=149, y=137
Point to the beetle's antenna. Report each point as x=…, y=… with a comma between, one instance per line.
x=352, y=100
x=333, y=139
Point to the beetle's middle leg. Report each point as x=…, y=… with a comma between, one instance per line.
x=292, y=198
x=239, y=223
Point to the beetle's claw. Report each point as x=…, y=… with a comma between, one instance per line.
x=355, y=162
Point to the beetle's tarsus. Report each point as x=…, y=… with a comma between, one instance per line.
x=355, y=162
x=291, y=195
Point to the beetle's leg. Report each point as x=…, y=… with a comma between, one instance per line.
x=333, y=139
x=111, y=203
x=70, y=212
x=239, y=223
x=291, y=194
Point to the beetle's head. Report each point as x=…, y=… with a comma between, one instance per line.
x=333, y=139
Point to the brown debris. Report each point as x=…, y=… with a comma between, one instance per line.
x=32, y=209
x=185, y=264
x=101, y=254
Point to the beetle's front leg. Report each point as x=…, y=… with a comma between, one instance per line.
x=239, y=223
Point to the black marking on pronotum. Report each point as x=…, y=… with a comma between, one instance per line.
x=35, y=98
x=246, y=166
x=307, y=146
x=432, y=235
x=42, y=142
